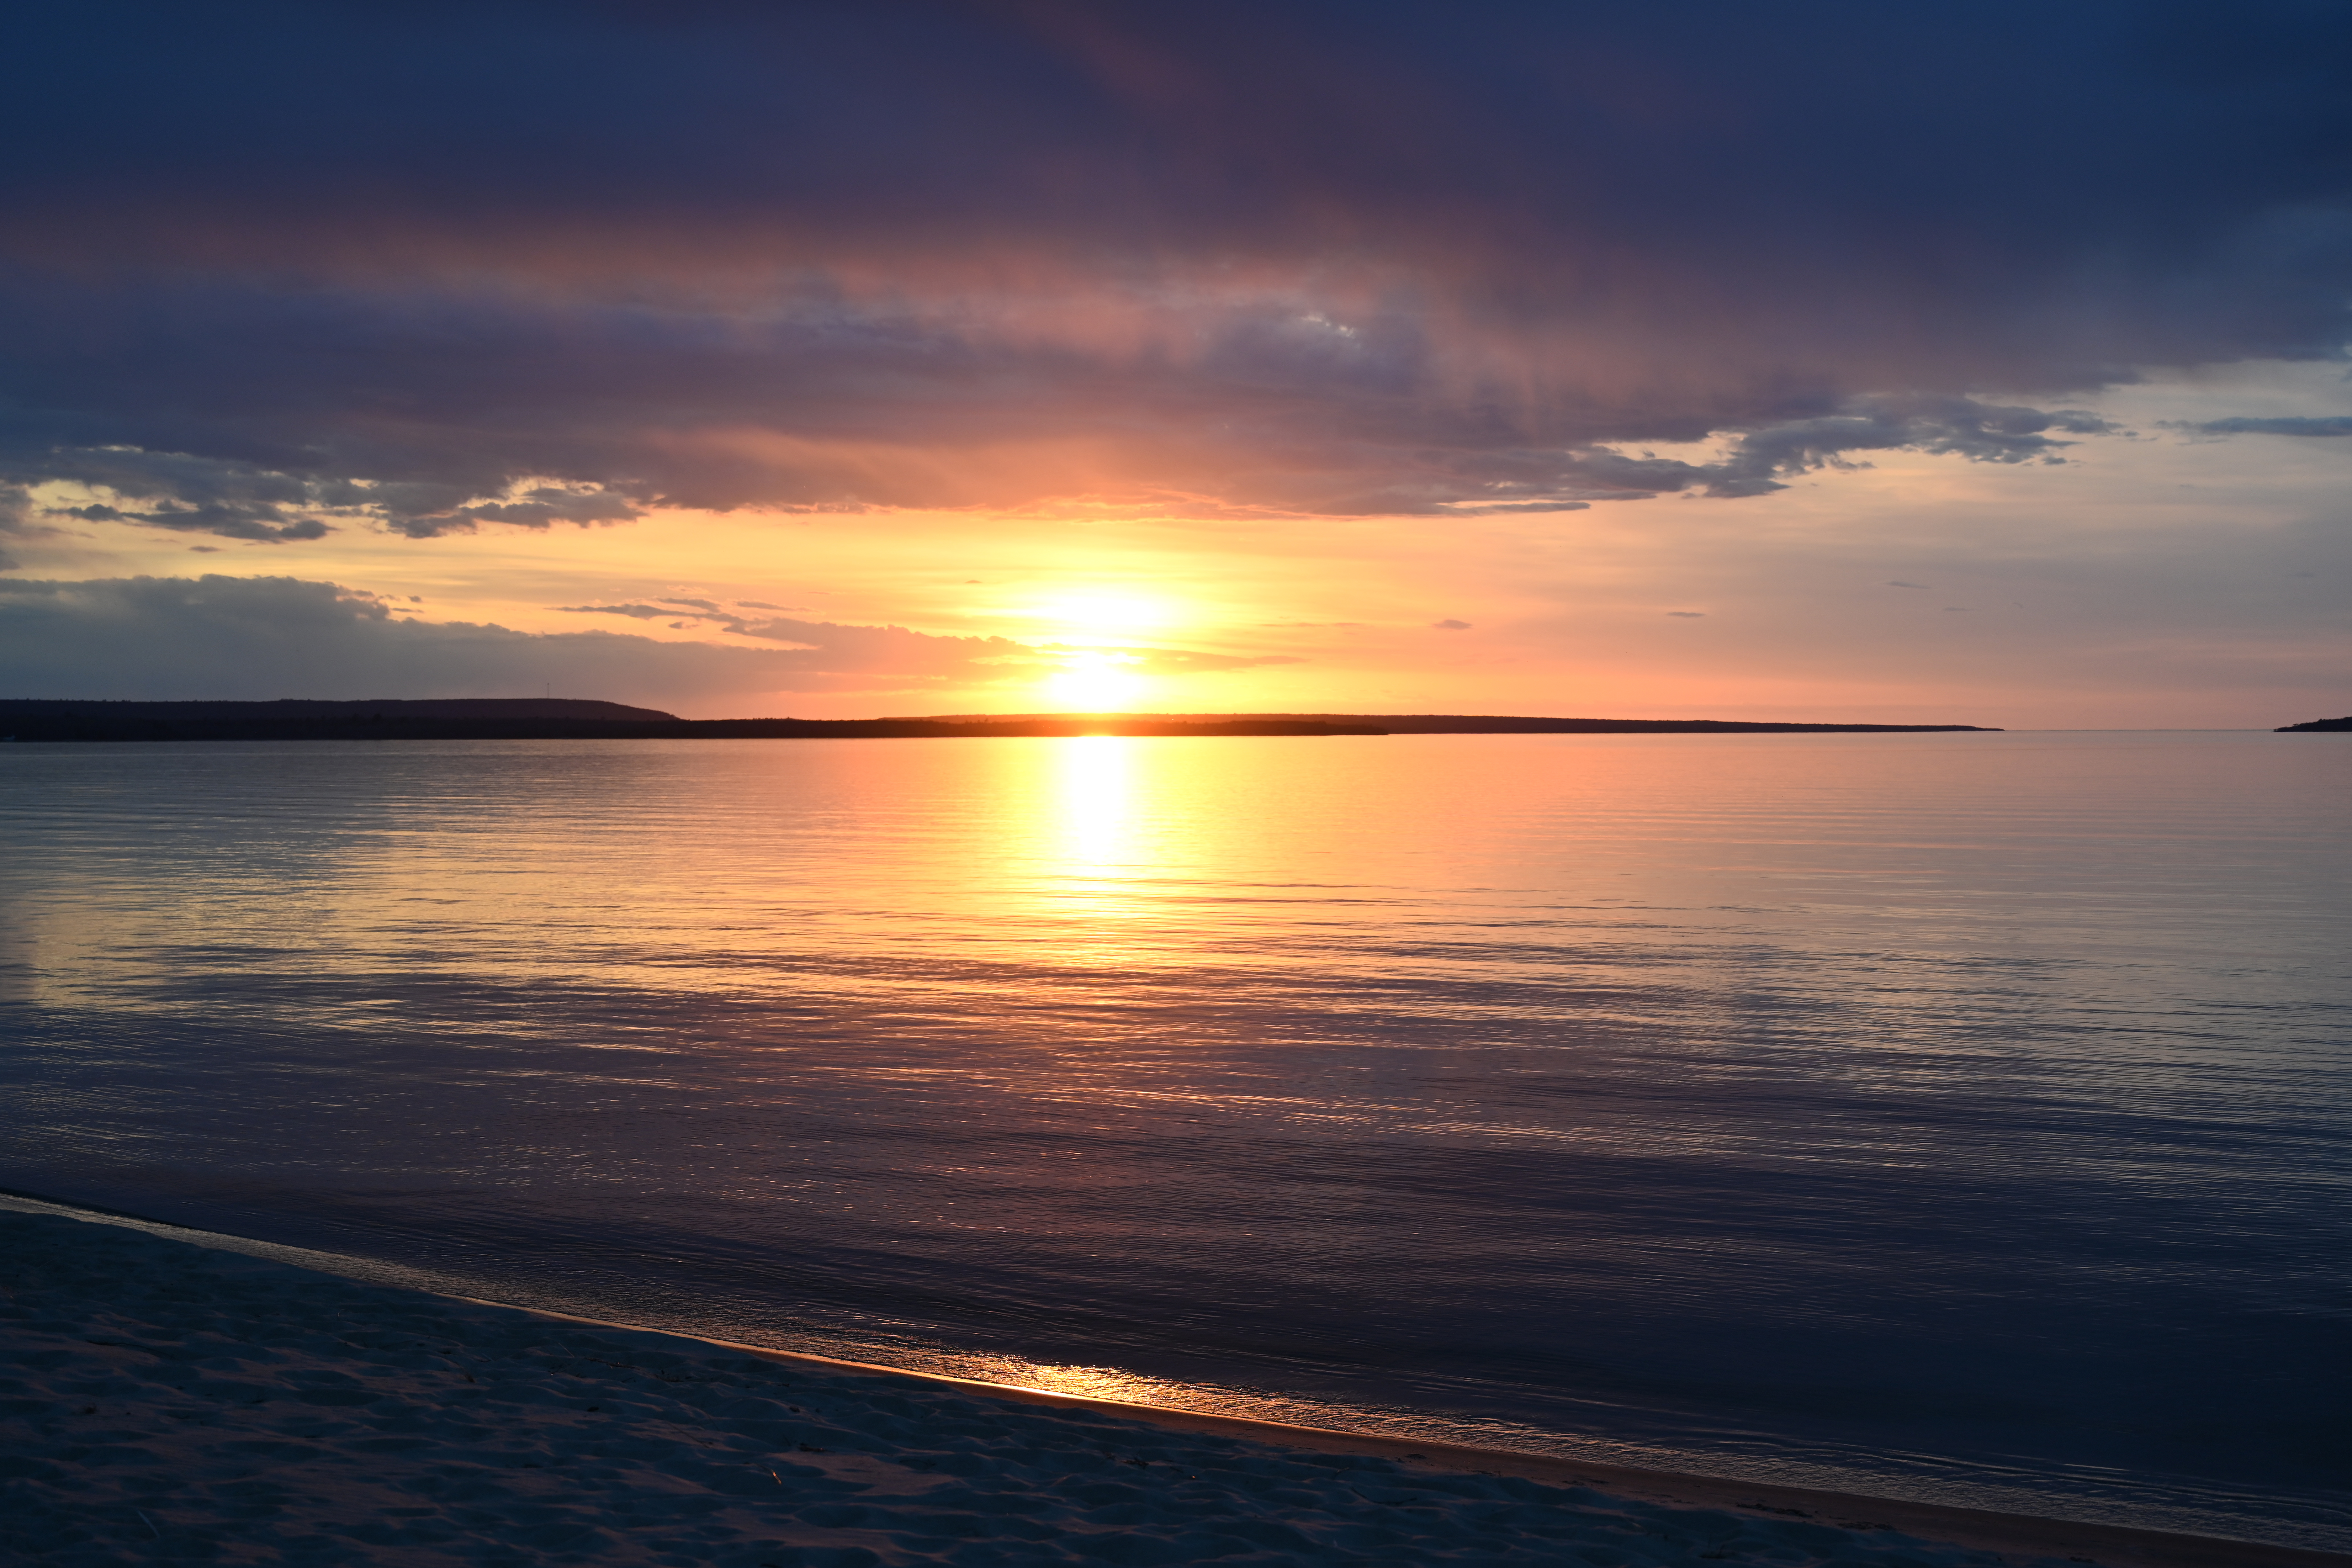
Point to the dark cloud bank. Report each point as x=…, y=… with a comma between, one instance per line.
x=272, y=269
x=265, y=638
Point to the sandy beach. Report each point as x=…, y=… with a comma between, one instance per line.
x=170, y=1402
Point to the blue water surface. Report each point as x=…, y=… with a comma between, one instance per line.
x=1954, y=1117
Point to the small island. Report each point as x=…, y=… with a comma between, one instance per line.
x=2310, y=724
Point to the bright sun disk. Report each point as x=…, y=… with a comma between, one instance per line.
x=1094, y=683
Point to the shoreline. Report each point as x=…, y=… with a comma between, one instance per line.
x=1716, y=1502
x=2119, y=1546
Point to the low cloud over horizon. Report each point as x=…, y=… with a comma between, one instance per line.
x=264, y=638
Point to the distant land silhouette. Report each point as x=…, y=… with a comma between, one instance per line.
x=565, y=719
x=1478, y=723
x=2345, y=723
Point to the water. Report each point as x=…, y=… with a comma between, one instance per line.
x=1956, y=1117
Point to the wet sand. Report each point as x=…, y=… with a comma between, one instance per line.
x=167, y=1401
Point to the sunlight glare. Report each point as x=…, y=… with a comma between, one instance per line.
x=1094, y=683
x=1104, y=614
x=1097, y=788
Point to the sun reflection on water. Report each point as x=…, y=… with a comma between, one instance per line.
x=1096, y=816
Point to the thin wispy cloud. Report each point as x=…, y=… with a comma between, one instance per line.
x=2321, y=427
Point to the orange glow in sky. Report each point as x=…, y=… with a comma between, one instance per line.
x=1805, y=604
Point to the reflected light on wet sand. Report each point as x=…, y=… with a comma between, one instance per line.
x=1124, y=1387
x=1091, y=1382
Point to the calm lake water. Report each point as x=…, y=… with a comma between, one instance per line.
x=1960, y=1117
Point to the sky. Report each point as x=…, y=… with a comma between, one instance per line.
x=1945, y=362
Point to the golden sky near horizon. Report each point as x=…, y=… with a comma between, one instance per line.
x=1919, y=588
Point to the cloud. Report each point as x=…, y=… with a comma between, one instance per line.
x=183, y=494
x=2281, y=425
x=16, y=519
x=796, y=410
x=1450, y=625
x=1898, y=583
x=260, y=638
x=236, y=497
x=1184, y=661
x=1983, y=433
x=1688, y=615
x=1761, y=458
x=1142, y=659
x=335, y=268
x=256, y=524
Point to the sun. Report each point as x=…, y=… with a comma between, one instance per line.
x=1094, y=683
x=1084, y=628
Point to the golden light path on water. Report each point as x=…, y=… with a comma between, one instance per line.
x=1090, y=849
x=1096, y=856
x=1094, y=814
